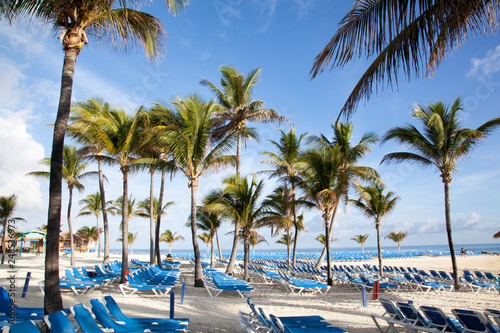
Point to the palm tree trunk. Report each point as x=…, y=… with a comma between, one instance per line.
x=379, y=248
x=105, y=224
x=447, y=210
x=323, y=253
x=246, y=260
x=218, y=244
x=70, y=227
x=124, y=227
x=151, y=219
x=211, y=252
x=53, y=300
x=98, y=239
x=158, y=219
x=198, y=273
x=294, y=212
x=232, y=259
x=329, y=279
x=288, y=249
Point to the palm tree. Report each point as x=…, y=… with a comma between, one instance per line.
x=239, y=201
x=349, y=169
x=442, y=144
x=375, y=204
x=286, y=168
x=236, y=109
x=188, y=137
x=322, y=239
x=73, y=172
x=207, y=238
x=93, y=206
x=361, y=239
x=130, y=239
x=91, y=234
x=209, y=221
x=397, y=237
x=256, y=238
x=83, y=114
x=117, y=208
x=414, y=36
x=170, y=238
x=7, y=207
x=113, y=25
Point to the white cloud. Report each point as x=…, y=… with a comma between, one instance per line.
x=486, y=66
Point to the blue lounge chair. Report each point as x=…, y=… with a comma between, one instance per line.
x=25, y=327
x=19, y=311
x=431, y=285
x=117, y=313
x=474, y=321
x=132, y=286
x=495, y=314
x=479, y=285
x=58, y=322
x=303, y=327
x=104, y=318
x=440, y=320
x=392, y=316
x=416, y=320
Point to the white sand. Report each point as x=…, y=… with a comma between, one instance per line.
x=341, y=306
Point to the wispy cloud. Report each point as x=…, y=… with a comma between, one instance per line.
x=485, y=66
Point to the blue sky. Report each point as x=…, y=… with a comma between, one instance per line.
x=282, y=37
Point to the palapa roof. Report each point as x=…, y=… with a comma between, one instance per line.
x=65, y=236
x=497, y=235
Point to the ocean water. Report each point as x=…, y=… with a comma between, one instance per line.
x=495, y=248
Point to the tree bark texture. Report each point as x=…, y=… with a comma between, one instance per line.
x=105, y=224
x=158, y=219
x=447, y=211
x=379, y=248
x=198, y=272
x=124, y=227
x=52, y=299
x=151, y=219
x=232, y=259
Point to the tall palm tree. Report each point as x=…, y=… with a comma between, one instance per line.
x=361, y=239
x=414, y=36
x=7, y=207
x=117, y=208
x=93, y=206
x=90, y=233
x=188, y=136
x=239, y=201
x=397, y=237
x=82, y=114
x=237, y=108
x=120, y=139
x=132, y=237
x=375, y=204
x=113, y=25
x=73, y=172
x=442, y=143
x=170, y=238
x=350, y=155
x=286, y=168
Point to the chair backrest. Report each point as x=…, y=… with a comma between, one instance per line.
x=102, y=315
x=391, y=309
x=58, y=322
x=469, y=278
x=473, y=320
x=85, y=319
x=4, y=300
x=495, y=314
x=412, y=314
x=418, y=278
x=25, y=327
x=69, y=275
x=113, y=308
x=439, y=319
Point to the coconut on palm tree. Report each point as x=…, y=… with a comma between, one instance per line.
x=187, y=133
x=236, y=109
x=404, y=37
x=376, y=204
x=7, y=207
x=73, y=172
x=286, y=167
x=361, y=239
x=442, y=143
x=170, y=238
x=93, y=206
x=112, y=25
x=397, y=237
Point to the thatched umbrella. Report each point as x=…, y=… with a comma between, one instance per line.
x=497, y=235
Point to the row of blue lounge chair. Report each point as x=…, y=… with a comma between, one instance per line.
x=151, y=278
x=216, y=282
x=433, y=319
x=259, y=321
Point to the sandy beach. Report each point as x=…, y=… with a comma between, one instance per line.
x=341, y=306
